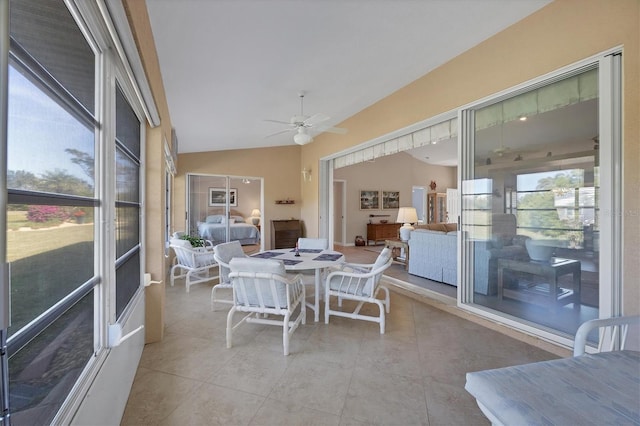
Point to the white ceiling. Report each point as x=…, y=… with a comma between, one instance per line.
x=228, y=65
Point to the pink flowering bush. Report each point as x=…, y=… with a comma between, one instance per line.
x=46, y=214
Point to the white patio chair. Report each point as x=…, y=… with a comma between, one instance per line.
x=313, y=243
x=361, y=283
x=261, y=288
x=223, y=253
x=194, y=264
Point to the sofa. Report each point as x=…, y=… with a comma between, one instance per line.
x=433, y=251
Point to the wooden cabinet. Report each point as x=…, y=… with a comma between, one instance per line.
x=285, y=233
x=436, y=207
x=382, y=231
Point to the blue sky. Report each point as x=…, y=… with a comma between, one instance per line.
x=39, y=131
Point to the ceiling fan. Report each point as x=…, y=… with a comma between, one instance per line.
x=304, y=124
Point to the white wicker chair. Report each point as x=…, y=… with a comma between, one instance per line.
x=194, y=264
x=361, y=283
x=261, y=288
x=223, y=253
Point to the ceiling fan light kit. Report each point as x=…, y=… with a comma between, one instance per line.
x=302, y=124
x=302, y=137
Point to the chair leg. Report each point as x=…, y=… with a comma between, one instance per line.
x=230, y=326
x=326, y=308
x=387, y=302
x=382, y=316
x=285, y=334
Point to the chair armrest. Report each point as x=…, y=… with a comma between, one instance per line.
x=580, y=342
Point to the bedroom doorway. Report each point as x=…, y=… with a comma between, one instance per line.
x=223, y=208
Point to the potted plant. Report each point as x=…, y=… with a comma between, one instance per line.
x=79, y=215
x=195, y=241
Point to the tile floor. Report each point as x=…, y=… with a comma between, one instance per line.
x=343, y=373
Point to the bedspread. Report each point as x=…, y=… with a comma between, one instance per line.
x=216, y=232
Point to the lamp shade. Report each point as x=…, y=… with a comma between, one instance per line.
x=406, y=216
x=255, y=217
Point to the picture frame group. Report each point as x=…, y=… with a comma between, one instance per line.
x=377, y=200
x=218, y=197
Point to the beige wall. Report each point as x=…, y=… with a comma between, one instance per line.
x=558, y=35
x=155, y=262
x=280, y=168
x=398, y=172
x=562, y=33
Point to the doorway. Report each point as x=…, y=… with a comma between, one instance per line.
x=339, y=211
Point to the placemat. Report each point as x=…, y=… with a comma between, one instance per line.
x=266, y=254
x=291, y=261
x=328, y=256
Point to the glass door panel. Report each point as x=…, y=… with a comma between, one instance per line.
x=225, y=208
x=530, y=205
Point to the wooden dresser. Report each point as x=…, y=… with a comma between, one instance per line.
x=285, y=233
x=382, y=231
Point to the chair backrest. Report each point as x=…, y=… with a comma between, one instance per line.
x=383, y=261
x=313, y=243
x=189, y=256
x=258, y=282
x=223, y=254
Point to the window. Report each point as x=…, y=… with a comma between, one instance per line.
x=58, y=232
x=52, y=205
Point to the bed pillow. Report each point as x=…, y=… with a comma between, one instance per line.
x=238, y=219
x=214, y=218
x=225, y=220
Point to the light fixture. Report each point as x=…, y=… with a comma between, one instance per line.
x=302, y=137
x=255, y=217
x=406, y=216
x=306, y=175
x=522, y=118
x=246, y=181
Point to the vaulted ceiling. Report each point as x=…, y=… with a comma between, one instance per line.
x=228, y=65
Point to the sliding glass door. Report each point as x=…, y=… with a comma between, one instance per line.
x=532, y=203
x=225, y=208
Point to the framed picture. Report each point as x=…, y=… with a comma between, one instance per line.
x=390, y=199
x=369, y=200
x=218, y=197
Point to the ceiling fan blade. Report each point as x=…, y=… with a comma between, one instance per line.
x=279, y=122
x=315, y=119
x=337, y=130
x=280, y=132
x=330, y=129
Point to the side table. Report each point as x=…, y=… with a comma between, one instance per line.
x=404, y=248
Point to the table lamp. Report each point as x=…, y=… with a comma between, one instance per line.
x=255, y=217
x=406, y=216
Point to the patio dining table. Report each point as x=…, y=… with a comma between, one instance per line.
x=306, y=260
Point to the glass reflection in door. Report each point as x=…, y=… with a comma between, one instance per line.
x=530, y=204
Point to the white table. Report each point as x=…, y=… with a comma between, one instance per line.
x=594, y=389
x=309, y=259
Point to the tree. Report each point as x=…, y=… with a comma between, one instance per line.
x=84, y=160
x=61, y=182
x=22, y=179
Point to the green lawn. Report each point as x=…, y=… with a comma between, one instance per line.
x=26, y=238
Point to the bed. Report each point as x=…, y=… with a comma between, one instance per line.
x=214, y=228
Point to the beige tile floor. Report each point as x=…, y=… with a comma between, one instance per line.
x=343, y=373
